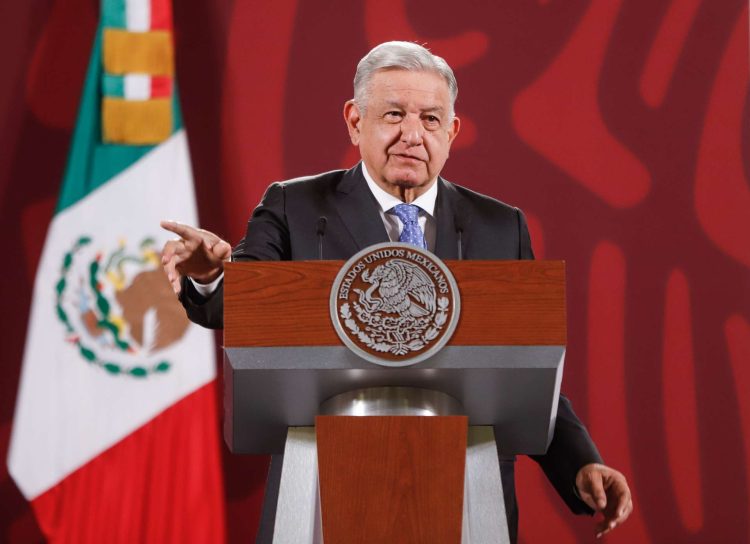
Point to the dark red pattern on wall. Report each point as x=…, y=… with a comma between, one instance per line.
x=621, y=128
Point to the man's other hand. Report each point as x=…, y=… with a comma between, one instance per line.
x=605, y=490
x=197, y=253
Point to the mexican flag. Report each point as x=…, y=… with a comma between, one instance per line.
x=115, y=435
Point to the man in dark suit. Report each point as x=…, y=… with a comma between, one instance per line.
x=402, y=120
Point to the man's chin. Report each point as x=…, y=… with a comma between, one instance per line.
x=408, y=180
x=408, y=183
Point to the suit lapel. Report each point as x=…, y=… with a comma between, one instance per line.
x=449, y=203
x=358, y=209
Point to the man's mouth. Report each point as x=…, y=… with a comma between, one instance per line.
x=407, y=158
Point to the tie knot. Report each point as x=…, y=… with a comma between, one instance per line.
x=411, y=233
x=407, y=213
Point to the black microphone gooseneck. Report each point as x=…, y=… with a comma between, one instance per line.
x=321, y=230
x=458, y=222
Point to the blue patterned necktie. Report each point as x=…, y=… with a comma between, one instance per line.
x=411, y=234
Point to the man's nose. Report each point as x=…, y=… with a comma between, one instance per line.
x=412, y=131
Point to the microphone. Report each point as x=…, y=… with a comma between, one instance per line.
x=458, y=222
x=321, y=231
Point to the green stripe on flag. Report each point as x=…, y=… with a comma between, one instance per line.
x=113, y=86
x=92, y=163
x=113, y=13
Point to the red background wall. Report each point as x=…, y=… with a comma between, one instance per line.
x=621, y=128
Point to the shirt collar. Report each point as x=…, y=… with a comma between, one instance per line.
x=426, y=201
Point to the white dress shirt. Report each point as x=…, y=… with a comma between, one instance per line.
x=393, y=225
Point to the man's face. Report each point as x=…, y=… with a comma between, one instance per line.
x=405, y=133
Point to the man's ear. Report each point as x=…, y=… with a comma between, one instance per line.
x=352, y=117
x=454, y=129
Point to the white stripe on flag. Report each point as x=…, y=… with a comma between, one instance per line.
x=137, y=87
x=138, y=15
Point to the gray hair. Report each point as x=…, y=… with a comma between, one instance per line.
x=400, y=56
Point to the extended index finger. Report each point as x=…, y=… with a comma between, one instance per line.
x=186, y=232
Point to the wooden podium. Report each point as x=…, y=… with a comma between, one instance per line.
x=397, y=476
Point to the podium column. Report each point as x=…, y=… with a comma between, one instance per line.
x=391, y=478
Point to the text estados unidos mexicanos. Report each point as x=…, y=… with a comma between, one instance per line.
x=418, y=258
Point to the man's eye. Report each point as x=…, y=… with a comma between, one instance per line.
x=393, y=115
x=432, y=121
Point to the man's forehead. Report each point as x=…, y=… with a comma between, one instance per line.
x=403, y=87
x=393, y=75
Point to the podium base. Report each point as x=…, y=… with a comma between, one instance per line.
x=292, y=510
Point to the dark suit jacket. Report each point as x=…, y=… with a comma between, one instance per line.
x=283, y=227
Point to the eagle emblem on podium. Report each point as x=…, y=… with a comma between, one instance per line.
x=394, y=304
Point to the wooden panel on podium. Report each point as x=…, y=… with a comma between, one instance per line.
x=391, y=478
x=502, y=303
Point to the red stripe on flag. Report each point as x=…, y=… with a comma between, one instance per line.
x=161, y=86
x=161, y=14
x=162, y=483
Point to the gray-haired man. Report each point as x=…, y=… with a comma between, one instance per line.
x=402, y=119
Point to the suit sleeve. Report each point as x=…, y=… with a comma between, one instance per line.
x=524, y=247
x=571, y=447
x=205, y=311
x=267, y=236
x=266, y=239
